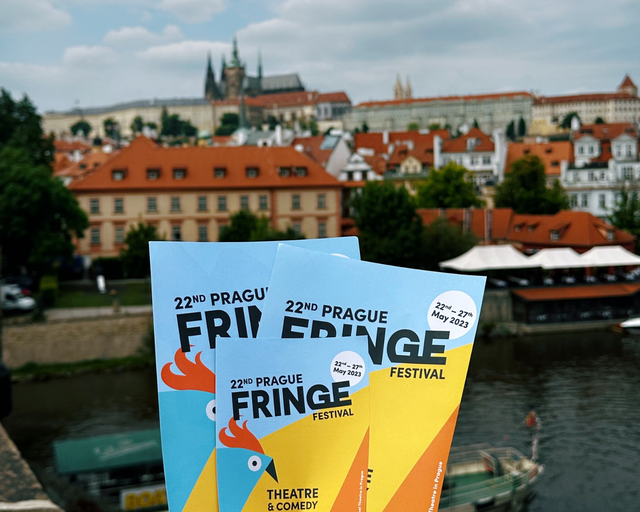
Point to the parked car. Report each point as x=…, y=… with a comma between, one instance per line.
x=14, y=300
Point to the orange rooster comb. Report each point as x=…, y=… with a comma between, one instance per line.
x=242, y=437
x=196, y=375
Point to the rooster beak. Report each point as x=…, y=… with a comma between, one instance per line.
x=271, y=469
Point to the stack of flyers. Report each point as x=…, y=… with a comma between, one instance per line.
x=252, y=342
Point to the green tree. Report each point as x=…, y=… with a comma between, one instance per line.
x=413, y=127
x=247, y=227
x=365, y=127
x=524, y=189
x=20, y=127
x=390, y=231
x=626, y=213
x=151, y=125
x=599, y=120
x=228, y=124
x=522, y=128
x=135, y=256
x=434, y=126
x=511, y=131
x=39, y=216
x=137, y=125
x=111, y=128
x=81, y=127
x=444, y=241
x=448, y=187
x=313, y=126
x=566, y=122
x=475, y=124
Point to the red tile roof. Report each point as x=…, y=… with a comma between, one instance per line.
x=288, y=99
x=422, y=151
x=374, y=140
x=551, y=154
x=377, y=163
x=333, y=97
x=311, y=147
x=70, y=146
x=459, y=145
x=470, y=97
x=578, y=292
x=606, y=131
x=574, y=98
x=626, y=82
x=199, y=162
x=87, y=165
x=500, y=220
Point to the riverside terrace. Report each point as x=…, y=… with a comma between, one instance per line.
x=572, y=284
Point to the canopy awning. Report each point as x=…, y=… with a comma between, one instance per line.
x=609, y=256
x=489, y=257
x=557, y=257
x=598, y=291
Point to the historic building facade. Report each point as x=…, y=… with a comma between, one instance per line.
x=189, y=194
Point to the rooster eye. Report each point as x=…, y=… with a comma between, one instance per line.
x=211, y=410
x=254, y=463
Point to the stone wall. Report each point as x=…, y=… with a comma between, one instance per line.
x=75, y=340
x=496, y=307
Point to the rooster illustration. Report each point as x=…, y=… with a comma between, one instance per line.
x=240, y=467
x=188, y=425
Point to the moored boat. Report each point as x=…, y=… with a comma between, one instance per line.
x=484, y=478
x=631, y=326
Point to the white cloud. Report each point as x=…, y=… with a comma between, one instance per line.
x=31, y=16
x=185, y=52
x=139, y=37
x=89, y=56
x=193, y=11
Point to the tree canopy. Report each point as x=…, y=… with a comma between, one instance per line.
x=81, y=126
x=447, y=188
x=444, y=241
x=20, y=127
x=247, y=227
x=413, y=127
x=173, y=126
x=522, y=128
x=137, y=125
x=111, y=128
x=524, y=189
x=390, y=231
x=626, y=213
x=135, y=256
x=511, y=131
x=566, y=121
x=229, y=123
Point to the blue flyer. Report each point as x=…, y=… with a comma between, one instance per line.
x=202, y=292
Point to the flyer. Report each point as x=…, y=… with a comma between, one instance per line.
x=202, y=292
x=420, y=327
x=293, y=424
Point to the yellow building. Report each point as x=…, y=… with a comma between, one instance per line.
x=190, y=193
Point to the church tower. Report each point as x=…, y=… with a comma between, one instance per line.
x=234, y=74
x=398, y=93
x=628, y=86
x=211, y=91
x=407, y=90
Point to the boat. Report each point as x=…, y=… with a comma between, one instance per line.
x=489, y=479
x=631, y=326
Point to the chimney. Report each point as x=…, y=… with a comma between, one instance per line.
x=385, y=137
x=278, y=135
x=437, y=151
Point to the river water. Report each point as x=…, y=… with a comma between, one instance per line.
x=584, y=387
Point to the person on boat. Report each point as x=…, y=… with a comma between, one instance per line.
x=533, y=420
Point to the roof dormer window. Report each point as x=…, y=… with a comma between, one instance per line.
x=472, y=143
x=301, y=172
x=219, y=172
x=611, y=234
x=252, y=172
x=153, y=174
x=179, y=174
x=555, y=235
x=284, y=172
x=117, y=174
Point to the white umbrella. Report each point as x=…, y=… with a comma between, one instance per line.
x=609, y=256
x=557, y=257
x=489, y=257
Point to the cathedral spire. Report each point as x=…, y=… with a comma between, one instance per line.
x=235, y=60
x=210, y=89
x=259, y=65
x=407, y=90
x=398, y=92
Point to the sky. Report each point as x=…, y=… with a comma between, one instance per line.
x=68, y=53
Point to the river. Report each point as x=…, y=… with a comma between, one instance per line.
x=584, y=387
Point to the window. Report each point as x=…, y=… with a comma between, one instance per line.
x=297, y=228
x=119, y=234
x=618, y=150
x=152, y=205
x=222, y=203
x=175, y=203
x=627, y=173
x=117, y=174
x=244, y=202
x=202, y=203
x=576, y=176
x=118, y=205
x=203, y=234
x=629, y=150
x=611, y=234
x=94, y=206
x=284, y=172
x=179, y=174
x=263, y=203
x=322, y=229
x=252, y=172
x=555, y=163
x=176, y=236
x=153, y=174
x=301, y=172
x=584, y=200
x=219, y=172
x=603, y=176
x=592, y=176
x=475, y=160
x=295, y=202
x=591, y=148
x=95, y=236
x=602, y=201
x=573, y=200
x=486, y=160
x=322, y=201
x=581, y=150
x=555, y=235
